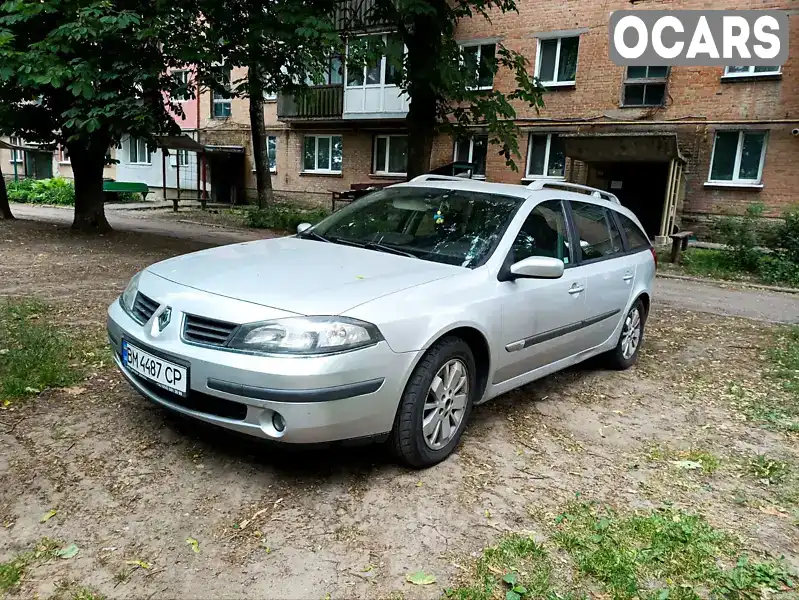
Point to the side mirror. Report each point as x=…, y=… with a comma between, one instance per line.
x=539, y=267
x=302, y=227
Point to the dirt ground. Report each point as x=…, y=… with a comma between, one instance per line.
x=131, y=482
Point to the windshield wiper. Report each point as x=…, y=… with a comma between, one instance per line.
x=309, y=233
x=389, y=249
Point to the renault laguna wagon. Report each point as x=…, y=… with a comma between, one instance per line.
x=393, y=317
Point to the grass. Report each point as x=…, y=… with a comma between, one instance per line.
x=784, y=359
x=718, y=264
x=34, y=353
x=769, y=470
x=12, y=572
x=653, y=555
x=708, y=461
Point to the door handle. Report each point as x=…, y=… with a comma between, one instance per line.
x=628, y=277
x=576, y=289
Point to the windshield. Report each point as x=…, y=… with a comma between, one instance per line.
x=455, y=227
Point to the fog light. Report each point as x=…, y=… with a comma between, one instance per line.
x=278, y=422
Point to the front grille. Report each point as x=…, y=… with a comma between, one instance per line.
x=198, y=401
x=143, y=308
x=207, y=331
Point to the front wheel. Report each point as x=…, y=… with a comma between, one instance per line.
x=436, y=404
x=632, y=335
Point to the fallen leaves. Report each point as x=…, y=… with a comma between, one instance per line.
x=138, y=563
x=48, y=515
x=420, y=578
x=68, y=551
x=195, y=545
x=690, y=465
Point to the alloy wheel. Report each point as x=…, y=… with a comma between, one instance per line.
x=445, y=405
x=631, y=333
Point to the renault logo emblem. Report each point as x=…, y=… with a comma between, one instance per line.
x=164, y=318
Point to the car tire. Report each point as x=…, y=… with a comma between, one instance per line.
x=420, y=405
x=625, y=354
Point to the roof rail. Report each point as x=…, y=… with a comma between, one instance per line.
x=540, y=184
x=434, y=177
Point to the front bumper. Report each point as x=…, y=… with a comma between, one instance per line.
x=321, y=399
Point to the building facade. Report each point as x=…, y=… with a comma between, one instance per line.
x=674, y=144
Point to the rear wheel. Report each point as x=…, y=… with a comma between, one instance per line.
x=632, y=335
x=435, y=405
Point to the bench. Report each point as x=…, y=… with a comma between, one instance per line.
x=113, y=188
x=679, y=242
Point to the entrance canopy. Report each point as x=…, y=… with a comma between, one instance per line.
x=8, y=146
x=179, y=142
x=621, y=147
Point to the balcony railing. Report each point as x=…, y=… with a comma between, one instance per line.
x=320, y=102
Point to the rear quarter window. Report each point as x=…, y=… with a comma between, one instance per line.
x=635, y=237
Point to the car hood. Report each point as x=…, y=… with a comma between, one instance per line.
x=301, y=276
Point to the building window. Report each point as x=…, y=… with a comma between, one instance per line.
x=473, y=150
x=63, y=156
x=221, y=107
x=333, y=73
x=556, y=60
x=738, y=157
x=321, y=153
x=16, y=155
x=645, y=86
x=480, y=58
x=138, y=152
x=751, y=71
x=383, y=71
x=546, y=156
x=183, y=77
x=271, y=153
x=270, y=96
x=181, y=155
x=391, y=155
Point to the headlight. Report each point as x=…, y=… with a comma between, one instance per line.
x=306, y=335
x=128, y=297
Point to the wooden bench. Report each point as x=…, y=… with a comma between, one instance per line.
x=113, y=188
x=679, y=242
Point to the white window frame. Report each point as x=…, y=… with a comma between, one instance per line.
x=16, y=155
x=750, y=72
x=220, y=101
x=385, y=170
x=471, y=154
x=63, y=156
x=527, y=174
x=736, y=169
x=479, y=46
x=185, y=78
x=274, y=169
x=184, y=158
x=555, y=82
x=138, y=141
x=383, y=67
x=317, y=137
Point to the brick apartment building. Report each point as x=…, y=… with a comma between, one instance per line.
x=674, y=144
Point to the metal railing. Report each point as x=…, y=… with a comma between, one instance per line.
x=320, y=102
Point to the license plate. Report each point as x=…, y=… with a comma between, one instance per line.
x=165, y=374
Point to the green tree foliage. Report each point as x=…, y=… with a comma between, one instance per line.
x=283, y=44
x=440, y=78
x=84, y=74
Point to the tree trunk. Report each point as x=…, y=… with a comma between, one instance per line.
x=263, y=176
x=5, y=209
x=87, y=167
x=424, y=42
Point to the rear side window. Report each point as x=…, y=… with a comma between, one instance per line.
x=599, y=237
x=635, y=237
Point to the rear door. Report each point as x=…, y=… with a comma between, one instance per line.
x=609, y=272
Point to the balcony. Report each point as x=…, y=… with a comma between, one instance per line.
x=322, y=102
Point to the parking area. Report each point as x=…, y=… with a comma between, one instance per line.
x=161, y=507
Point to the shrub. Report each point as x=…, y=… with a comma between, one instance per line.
x=58, y=191
x=283, y=218
x=743, y=236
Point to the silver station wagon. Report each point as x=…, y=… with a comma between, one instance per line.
x=390, y=319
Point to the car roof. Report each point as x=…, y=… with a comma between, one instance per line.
x=525, y=192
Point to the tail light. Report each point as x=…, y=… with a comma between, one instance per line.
x=654, y=256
